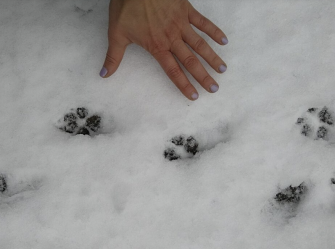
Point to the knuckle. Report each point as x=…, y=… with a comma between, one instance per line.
x=177, y=44
x=200, y=44
x=155, y=45
x=186, y=88
x=203, y=22
x=174, y=72
x=111, y=60
x=171, y=32
x=161, y=55
x=207, y=80
x=191, y=62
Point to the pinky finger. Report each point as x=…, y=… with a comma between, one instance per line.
x=206, y=26
x=176, y=74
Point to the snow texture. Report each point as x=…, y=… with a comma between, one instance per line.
x=115, y=189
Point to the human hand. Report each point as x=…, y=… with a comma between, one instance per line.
x=163, y=28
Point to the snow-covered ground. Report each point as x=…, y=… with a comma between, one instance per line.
x=116, y=189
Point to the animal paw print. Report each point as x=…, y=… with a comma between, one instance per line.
x=78, y=121
x=286, y=202
x=317, y=123
x=291, y=194
x=332, y=183
x=186, y=146
x=3, y=183
x=181, y=147
x=17, y=187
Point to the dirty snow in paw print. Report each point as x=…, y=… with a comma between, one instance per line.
x=129, y=162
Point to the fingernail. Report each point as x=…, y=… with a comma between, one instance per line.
x=224, y=41
x=103, y=72
x=222, y=68
x=214, y=88
x=195, y=96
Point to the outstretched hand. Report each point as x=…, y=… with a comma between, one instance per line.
x=163, y=28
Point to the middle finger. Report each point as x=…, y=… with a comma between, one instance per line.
x=201, y=47
x=193, y=65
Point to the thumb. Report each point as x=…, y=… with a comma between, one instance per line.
x=113, y=59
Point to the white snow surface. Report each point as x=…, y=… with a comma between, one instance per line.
x=116, y=190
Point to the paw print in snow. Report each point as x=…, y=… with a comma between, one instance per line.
x=79, y=122
x=183, y=148
x=186, y=146
x=18, y=187
x=291, y=194
x=3, y=183
x=318, y=124
x=286, y=202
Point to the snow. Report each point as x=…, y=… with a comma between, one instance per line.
x=116, y=190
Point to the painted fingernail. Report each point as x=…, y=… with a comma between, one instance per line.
x=103, y=72
x=195, y=96
x=214, y=88
x=224, y=41
x=222, y=68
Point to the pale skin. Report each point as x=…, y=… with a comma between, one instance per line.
x=163, y=28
